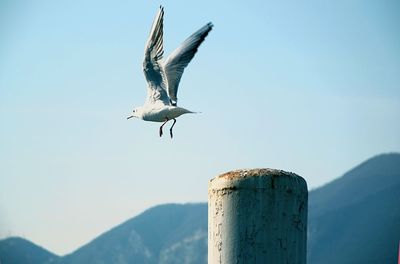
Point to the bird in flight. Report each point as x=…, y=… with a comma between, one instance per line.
x=163, y=77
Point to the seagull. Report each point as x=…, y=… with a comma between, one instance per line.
x=163, y=77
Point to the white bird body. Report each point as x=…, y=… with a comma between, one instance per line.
x=163, y=113
x=163, y=77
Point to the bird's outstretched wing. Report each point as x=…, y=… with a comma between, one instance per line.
x=153, y=54
x=176, y=62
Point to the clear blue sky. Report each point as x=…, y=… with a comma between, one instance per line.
x=310, y=87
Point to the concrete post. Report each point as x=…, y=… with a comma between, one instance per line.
x=257, y=216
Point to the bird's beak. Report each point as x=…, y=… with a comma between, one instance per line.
x=129, y=117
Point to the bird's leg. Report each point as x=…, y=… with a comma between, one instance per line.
x=166, y=120
x=170, y=130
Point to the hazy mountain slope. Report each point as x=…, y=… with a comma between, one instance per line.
x=356, y=218
x=163, y=234
x=15, y=250
x=364, y=232
x=371, y=176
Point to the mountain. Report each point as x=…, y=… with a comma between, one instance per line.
x=16, y=250
x=164, y=234
x=354, y=219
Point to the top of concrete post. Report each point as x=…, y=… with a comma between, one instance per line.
x=251, y=178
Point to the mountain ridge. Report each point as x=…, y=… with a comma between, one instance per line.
x=142, y=236
x=17, y=250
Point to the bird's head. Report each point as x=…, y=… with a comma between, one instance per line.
x=135, y=113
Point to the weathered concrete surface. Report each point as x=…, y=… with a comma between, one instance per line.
x=257, y=216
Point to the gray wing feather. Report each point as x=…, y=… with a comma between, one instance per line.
x=153, y=55
x=180, y=58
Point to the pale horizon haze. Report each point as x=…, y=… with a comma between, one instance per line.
x=310, y=87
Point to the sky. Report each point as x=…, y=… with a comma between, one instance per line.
x=310, y=87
